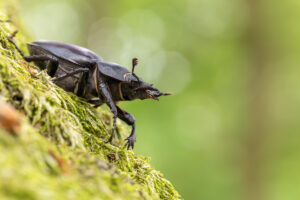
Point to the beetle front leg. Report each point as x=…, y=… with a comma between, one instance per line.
x=130, y=120
x=109, y=101
x=103, y=90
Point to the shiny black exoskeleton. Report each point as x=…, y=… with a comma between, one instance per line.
x=81, y=71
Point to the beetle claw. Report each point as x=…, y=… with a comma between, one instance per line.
x=130, y=142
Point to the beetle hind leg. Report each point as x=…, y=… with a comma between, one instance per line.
x=10, y=39
x=52, y=64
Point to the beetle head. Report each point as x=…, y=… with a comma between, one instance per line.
x=143, y=90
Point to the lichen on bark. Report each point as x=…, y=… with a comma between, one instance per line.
x=60, y=151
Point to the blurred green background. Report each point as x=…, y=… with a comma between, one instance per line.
x=231, y=129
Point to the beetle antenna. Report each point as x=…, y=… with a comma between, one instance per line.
x=134, y=63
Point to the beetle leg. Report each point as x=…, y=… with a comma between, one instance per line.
x=81, y=85
x=75, y=71
x=51, y=66
x=96, y=102
x=10, y=39
x=103, y=90
x=128, y=119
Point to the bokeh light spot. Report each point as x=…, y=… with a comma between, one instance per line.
x=60, y=21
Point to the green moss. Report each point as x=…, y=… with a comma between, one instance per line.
x=61, y=151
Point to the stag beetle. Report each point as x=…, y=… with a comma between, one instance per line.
x=83, y=72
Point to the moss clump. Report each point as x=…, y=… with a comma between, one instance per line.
x=60, y=152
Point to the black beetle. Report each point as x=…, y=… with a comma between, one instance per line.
x=83, y=72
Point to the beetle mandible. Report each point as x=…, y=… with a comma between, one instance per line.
x=81, y=71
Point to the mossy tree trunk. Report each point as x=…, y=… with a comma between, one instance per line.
x=56, y=148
